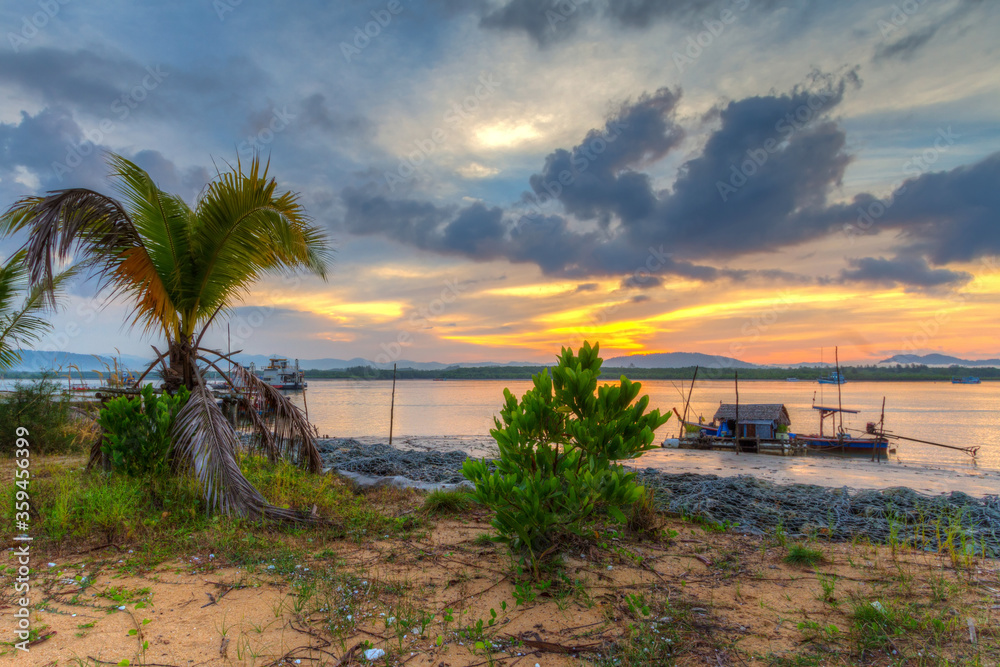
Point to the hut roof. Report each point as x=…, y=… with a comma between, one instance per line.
x=755, y=412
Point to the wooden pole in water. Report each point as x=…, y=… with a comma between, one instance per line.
x=688, y=402
x=736, y=431
x=305, y=403
x=392, y=405
x=881, y=431
x=840, y=404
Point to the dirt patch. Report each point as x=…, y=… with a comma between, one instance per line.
x=690, y=596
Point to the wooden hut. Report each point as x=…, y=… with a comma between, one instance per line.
x=758, y=421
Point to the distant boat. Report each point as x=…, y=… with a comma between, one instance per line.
x=966, y=380
x=280, y=375
x=791, y=379
x=833, y=378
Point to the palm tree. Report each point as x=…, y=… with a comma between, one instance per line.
x=21, y=306
x=180, y=267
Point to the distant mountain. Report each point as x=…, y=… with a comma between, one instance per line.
x=939, y=360
x=327, y=364
x=34, y=361
x=675, y=360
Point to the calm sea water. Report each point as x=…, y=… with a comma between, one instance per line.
x=941, y=412
x=937, y=411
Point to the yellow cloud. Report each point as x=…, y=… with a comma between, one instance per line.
x=537, y=290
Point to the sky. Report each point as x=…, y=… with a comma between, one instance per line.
x=760, y=179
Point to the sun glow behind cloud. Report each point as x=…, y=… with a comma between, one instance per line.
x=505, y=134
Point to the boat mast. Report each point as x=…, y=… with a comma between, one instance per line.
x=840, y=405
x=688, y=402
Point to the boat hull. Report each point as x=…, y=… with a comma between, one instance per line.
x=826, y=443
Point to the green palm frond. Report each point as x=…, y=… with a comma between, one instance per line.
x=66, y=223
x=180, y=267
x=247, y=230
x=22, y=324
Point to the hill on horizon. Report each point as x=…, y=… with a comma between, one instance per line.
x=936, y=359
x=36, y=361
x=676, y=360
x=331, y=364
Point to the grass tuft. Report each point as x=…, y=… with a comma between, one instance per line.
x=800, y=554
x=446, y=502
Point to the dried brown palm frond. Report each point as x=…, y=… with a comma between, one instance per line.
x=206, y=442
x=279, y=421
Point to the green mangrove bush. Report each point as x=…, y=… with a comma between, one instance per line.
x=40, y=407
x=137, y=431
x=559, y=448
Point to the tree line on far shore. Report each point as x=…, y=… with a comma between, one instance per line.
x=899, y=372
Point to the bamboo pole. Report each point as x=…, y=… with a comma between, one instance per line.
x=392, y=404
x=840, y=404
x=688, y=402
x=736, y=431
x=881, y=433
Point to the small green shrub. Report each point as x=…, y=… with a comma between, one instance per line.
x=137, y=431
x=558, y=451
x=53, y=427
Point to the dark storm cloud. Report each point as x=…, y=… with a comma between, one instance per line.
x=52, y=148
x=39, y=142
x=772, y=160
x=475, y=231
x=481, y=233
x=908, y=271
x=762, y=182
x=596, y=179
x=947, y=216
x=34, y=141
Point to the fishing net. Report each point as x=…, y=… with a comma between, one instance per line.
x=744, y=503
x=954, y=520
x=378, y=460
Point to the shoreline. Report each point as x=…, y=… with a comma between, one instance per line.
x=756, y=500
x=856, y=473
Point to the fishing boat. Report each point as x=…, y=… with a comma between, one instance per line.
x=74, y=386
x=840, y=441
x=791, y=379
x=281, y=375
x=835, y=377
x=966, y=380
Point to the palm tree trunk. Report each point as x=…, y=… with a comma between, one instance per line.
x=182, y=370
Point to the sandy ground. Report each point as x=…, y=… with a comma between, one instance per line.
x=732, y=599
x=854, y=472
